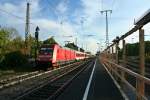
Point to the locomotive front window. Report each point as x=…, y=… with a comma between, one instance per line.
x=46, y=50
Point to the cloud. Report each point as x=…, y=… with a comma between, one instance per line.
x=69, y=22
x=20, y=8
x=91, y=45
x=48, y=27
x=8, y=7
x=62, y=7
x=90, y=16
x=45, y=24
x=53, y=26
x=89, y=12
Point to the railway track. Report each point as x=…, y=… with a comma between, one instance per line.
x=13, y=91
x=21, y=78
x=52, y=88
x=17, y=79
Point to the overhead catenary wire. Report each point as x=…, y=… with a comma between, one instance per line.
x=15, y=16
x=113, y=3
x=51, y=7
x=11, y=14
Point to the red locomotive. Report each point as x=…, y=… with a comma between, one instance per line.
x=54, y=55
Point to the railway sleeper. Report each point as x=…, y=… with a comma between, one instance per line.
x=48, y=90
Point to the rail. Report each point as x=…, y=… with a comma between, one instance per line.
x=52, y=88
x=21, y=78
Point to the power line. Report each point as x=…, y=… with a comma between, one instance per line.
x=52, y=7
x=11, y=14
x=113, y=3
x=101, y=4
x=23, y=18
x=60, y=17
x=15, y=16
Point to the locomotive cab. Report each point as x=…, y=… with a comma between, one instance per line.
x=46, y=51
x=45, y=56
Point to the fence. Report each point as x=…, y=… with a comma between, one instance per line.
x=118, y=68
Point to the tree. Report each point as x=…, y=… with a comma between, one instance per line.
x=133, y=50
x=147, y=48
x=72, y=46
x=82, y=50
x=5, y=38
x=10, y=45
x=50, y=41
x=33, y=44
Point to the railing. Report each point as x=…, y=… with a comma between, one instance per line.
x=109, y=57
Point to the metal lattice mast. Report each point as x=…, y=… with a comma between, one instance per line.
x=27, y=26
x=107, y=37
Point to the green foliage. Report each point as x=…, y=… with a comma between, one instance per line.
x=15, y=45
x=132, y=49
x=14, y=59
x=4, y=39
x=147, y=47
x=50, y=41
x=81, y=49
x=147, y=51
x=72, y=46
x=147, y=59
x=33, y=44
x=120, y=52
x=8, y=41
x=11, y=47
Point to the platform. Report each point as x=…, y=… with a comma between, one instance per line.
x=101, y=86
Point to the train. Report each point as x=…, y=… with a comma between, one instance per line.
x=53, y=55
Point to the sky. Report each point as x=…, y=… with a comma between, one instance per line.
x=68, y=20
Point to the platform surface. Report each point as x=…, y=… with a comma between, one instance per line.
x=101, y=86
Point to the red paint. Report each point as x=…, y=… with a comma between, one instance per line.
x=55, y=54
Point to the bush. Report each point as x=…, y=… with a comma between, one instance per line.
x=14, y=59
x=1, y=60
x=147, y=59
